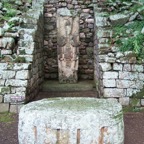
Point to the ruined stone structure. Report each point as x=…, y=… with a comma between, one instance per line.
x=92, y=52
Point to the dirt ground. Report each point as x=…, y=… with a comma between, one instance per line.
x=134, y=129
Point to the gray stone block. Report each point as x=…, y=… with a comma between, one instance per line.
x=68, y=120
x=4, y=107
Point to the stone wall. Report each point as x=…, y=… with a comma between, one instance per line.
x=121, y=73
x=85, y=10
x=21, y=77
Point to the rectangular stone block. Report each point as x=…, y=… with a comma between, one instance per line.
x=23, y=74
x=117, y=67
x=2, y=82
x=18, y=97
x=105, y=66
x=3, y=66
x=113, y=92
x=6, y=52
x=104, y=33
x=125, y=84
x=124, y=101
x=4, y=107
x=22, y=66
x=128, y=75
x=14, y=82
x=110, y=75
x=127, y=67
x=101, y=21
x=137, y=68
x=7, y=74
x=139, y=84
x=109, y=83
x=141, y=76
x=15, y=108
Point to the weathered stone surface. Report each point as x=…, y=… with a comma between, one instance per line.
x=125, y=84
x=118, y=19
x=109, y=83
x=4, y=107
x=110, y=59
x=127, y=67
x=18, y=97
x=3, y=66
x=117, y=67
x=68, y=120
x=106, y=66
x=101, y=21
x=128, y=75
x=110, y=75
x=68, y=42
x=23, y=74
x=15, y=108
x=22, y=66
x=124, y=101
x=102, y=33
x=6, y=52
x=119, y=55
x=113, y=92
x=7, y=74
x=2, y=82
x=14, y=82
x=138, y=68
x=7, y=43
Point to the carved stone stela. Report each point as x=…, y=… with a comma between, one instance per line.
x=68, y=41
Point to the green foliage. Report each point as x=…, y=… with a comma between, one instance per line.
x=130, y=38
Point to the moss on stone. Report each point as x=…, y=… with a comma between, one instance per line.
x=20, y=60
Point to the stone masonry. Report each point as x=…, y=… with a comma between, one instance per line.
x=86, y=23
x=32, y=56
x=20, y=78
x=117, y=74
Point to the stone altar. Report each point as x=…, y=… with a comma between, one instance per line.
x=71, y=121
x=68, y=42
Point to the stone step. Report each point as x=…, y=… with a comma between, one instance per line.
x=52, y=85
x=51, y=94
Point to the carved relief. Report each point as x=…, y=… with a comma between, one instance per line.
x=68, y=42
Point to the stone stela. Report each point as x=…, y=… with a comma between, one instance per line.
x=68, y=42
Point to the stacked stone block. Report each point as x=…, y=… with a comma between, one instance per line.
x=20, y=80
x=86, y=14
x=120, y=74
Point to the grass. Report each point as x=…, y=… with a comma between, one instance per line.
x=6, y=117
x=130, y=108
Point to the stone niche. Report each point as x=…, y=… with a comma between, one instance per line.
x=68, y=42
